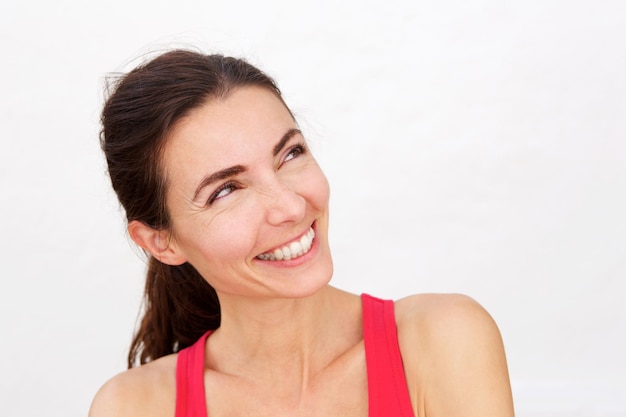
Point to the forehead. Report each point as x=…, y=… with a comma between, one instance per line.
x=227, y=131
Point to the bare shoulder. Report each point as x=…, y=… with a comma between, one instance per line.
x=453, y=356
x=453, y=310
x=148, y=390
x=444, y=325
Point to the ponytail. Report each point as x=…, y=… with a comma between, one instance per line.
x=180, y=306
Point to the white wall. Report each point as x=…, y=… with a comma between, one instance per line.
x=475, y=147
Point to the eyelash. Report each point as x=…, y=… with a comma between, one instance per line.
x=299, y=149
x=216, y=193
x=296, y=150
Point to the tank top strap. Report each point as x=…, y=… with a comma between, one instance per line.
x=190, y=396
x=388, y=394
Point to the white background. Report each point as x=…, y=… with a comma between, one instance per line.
x=475, y=147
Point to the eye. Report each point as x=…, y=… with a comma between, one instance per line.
x=294, y=152
x=222, y=192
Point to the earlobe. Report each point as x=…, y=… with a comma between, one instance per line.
x=156, y=242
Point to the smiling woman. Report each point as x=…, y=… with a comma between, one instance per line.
x=221, y=191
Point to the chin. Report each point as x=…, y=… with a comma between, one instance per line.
x=308, y=284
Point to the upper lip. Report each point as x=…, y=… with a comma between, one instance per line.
x=295, y=239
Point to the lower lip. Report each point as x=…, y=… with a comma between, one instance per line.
x=300, y=259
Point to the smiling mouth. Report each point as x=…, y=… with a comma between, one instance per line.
x=291, y=250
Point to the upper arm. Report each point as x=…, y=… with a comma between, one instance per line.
x=454, y=357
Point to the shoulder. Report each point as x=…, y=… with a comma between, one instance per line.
x=455, y=311
x=148, y=390
x=448, y=324
x=453, y=355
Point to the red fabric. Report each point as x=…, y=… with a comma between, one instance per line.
x=190, y=399
x=387, y=390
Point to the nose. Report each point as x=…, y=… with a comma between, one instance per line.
x=284, y=205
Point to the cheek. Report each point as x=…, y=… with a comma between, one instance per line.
x=235, y=231
x=228, y=236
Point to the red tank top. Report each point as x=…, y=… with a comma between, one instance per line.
x=388, y=395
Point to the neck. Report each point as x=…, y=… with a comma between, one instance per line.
x=285, y=338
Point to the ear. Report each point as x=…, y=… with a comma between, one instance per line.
x=156, y=242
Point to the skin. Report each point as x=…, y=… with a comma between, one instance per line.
x=290, y=344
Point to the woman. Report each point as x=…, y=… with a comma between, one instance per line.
x=221, y=191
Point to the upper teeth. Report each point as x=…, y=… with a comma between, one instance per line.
x=292, y=250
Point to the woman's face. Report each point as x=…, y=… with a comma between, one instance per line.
x=245, y=197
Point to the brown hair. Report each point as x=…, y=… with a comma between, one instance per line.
x=143, y=107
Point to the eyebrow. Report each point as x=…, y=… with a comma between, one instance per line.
x=281, y=143
x=238, y=169
x=218, y=176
